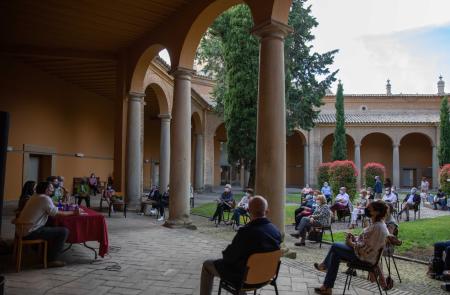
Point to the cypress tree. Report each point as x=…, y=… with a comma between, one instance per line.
x=339, y=151
x=444, y=146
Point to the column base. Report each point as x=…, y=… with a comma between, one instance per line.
x=180, y=223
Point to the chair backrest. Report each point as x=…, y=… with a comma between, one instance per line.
x=21, y=227
x=262, y=267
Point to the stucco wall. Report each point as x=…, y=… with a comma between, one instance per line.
x=48, y=112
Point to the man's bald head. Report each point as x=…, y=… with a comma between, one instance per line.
x=258, y=207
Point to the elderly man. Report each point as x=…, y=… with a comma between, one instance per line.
x=378, y=188
x=259, y=235
x=342, y=200
x=226, y=202
x=389, y=196
x=411, y=201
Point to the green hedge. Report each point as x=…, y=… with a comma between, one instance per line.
x=444, y=176
x=371, y=170
x=344, y=173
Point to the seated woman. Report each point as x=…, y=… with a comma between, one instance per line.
x=306, y=207
x=83, y=193
x=440, y=199
x=364, y=248
x=242, y=207
x=359, y=209
x=28, y=190
x=320, y=217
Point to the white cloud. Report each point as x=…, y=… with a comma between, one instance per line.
x=377, y=41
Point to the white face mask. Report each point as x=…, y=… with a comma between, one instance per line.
x=341, y=192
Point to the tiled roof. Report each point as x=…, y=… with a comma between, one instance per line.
x=385, y=118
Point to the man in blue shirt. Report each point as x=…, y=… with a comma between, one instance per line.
x=378, y=188
x=226, y=202
x=258, y=236
x=326, y=191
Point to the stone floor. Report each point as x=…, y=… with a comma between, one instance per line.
x=146, y=258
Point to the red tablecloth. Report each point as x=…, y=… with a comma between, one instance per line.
x=84, y=228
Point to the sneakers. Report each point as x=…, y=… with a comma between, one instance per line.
x=161, y=218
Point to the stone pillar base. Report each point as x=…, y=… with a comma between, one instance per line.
x=180, y=223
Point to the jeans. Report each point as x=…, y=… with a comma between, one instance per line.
x=439, y=249
x=440, y=202
x=87, y=200
x=237, y=215
x=209, y=271
x=338, y=252
x=55, y=236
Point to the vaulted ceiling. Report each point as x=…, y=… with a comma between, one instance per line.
x=79, y=41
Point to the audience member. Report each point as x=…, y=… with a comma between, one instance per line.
x=35, y=214
x=327, y=192
x=424, y=186
x=320, y=217
x=306, y=191
x=441, y=200
x=93, y=184
x=259, y=235
x=387, y=183
x=225, y=202
x=438, y=264
x=342, y=200
x=362, y=249
x=83, y=193
x=389, y=196
x=242, y=207
x=28, y=189
x=370, y=194
x=378, y=188
x=360, y=207
x=411, y=201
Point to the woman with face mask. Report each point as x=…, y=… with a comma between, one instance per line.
x=242, y=208
x=364, y=248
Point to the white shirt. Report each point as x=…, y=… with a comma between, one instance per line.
x=343, y=197
x=244, y=202
x=36, y=212
x=410, y=199
x=391, y=198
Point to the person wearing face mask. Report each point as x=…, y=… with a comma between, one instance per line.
x=225, y=202
x=342, y=200
x=320, y=217
x=242, y=207
x=360, y=207
x=411, y=201
x=57, y=192
x=389, y=196
x=364, y=248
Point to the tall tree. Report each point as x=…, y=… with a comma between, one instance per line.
x=444, y=145
x=339, y=151
x=230, y=54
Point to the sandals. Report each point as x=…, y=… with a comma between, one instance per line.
x=320, y=267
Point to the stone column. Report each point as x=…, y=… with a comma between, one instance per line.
x=180, y=152
x=271, y=124
x=306, y=163
x=155, y=173
x=164, y=153
x=134, y=150
x=396, y=165
x=358, y=164
x=435, y=168
x=199, y=144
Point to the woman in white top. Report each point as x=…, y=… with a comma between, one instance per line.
x=242, y=207
x=364, y=248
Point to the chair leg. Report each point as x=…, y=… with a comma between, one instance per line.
x=254, y=292
x=321, y=237
x=378, y=284
x=331, y=232
x=275, y=287
x=19, y=256
x=45, y=253
x=109, y=209
x=220, y=288
x=125, y=210
x=350, y=279
x=396, y=269
x=345, y=286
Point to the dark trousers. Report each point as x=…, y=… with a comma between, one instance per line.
x=87, y=200
x=440, y=202
x=305, y=226
x=338, y=206
x=336, y=254
x=55, y=236
x=439, y=249
x=237, y=215
x=219, y=211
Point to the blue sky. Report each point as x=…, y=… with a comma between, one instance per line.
x=407, y=41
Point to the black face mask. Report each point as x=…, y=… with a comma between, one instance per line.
x=367, y=212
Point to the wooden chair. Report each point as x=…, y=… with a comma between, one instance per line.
x=117, y=199
x=19, y=242
x=364, y=266
x=262, y=269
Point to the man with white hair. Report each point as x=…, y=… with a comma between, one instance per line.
x=226, y=202
x=411, y=201
x=258, y=236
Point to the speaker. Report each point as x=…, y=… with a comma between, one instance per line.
x=4, y=129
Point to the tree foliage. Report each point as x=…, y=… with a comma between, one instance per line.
x=339, y=151
x=371, y=170
x=344, y=174
x=444, y=145
x=230, y=54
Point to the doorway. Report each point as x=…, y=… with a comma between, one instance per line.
x=39, y=167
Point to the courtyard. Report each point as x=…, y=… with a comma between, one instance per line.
x=148, y=258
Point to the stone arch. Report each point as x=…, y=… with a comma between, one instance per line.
x=295, y=159
x=327, y=145
x=416, y=152
x=262, y=11
x=137, y=76
x=162, y=96
x=377, y=147
x=430, y=139
x=197, y=123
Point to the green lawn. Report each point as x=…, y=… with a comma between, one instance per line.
x=416, y=235
x=207, y=210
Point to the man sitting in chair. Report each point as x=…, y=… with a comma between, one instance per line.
x=226, y=202
x=341, y=202
x=411, y=201
x=258, y=236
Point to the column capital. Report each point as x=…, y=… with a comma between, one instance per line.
x=272, y=29
x=136, y=96
x=182, y=73
x=165, y=116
